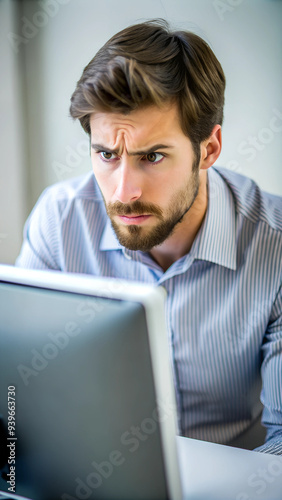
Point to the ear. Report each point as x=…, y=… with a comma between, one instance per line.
x=211, y=148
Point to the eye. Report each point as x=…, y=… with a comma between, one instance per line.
x=107, y=156
x=154, y=157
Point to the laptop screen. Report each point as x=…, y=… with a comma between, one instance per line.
x=78, y=395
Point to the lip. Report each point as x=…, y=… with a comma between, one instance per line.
x=133, y=219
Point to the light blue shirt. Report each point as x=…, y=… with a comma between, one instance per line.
x=224, y=298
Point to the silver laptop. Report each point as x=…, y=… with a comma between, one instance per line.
x=86, y=395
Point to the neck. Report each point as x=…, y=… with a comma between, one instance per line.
x=180, y=242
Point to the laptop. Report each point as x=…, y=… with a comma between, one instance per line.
x=87, y=406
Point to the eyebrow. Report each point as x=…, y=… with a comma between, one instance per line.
x=153, y=149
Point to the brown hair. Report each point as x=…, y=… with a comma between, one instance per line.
x=148, y=64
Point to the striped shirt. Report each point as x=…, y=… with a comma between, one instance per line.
x=224, y=298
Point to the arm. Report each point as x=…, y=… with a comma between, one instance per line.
x=271, y=371
x=40, y=249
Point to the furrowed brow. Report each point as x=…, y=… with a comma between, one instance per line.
x=153, y=149
x=100, y=147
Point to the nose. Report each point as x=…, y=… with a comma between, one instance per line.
x=129, y=183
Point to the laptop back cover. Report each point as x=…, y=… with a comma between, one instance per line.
x=77, y=370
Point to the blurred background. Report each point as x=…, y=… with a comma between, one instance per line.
x=44, y=47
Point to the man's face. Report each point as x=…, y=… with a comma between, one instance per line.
x=145, y=169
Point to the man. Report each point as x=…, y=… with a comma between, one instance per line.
x=157, y=211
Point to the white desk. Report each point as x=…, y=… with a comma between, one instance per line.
x=215, y=472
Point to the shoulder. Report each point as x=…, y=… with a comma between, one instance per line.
x=67, y=202
x=252, y=202
x=64, y=195
x=83, y=187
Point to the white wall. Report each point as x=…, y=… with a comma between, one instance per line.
x=13, y=187
x=246, y=36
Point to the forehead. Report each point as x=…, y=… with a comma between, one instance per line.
x=137, y=128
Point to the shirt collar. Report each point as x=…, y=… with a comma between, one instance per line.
x=109, y=240
x=216, y=239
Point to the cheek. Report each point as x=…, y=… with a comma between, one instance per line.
x=102, y=180
x=106, y=183
x=165, y=187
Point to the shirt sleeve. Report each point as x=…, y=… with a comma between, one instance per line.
x=41, y=246
x=271, y=395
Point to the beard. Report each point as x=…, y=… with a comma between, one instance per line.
x=135, y=237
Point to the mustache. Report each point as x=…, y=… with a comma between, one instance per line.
x=136, y=208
